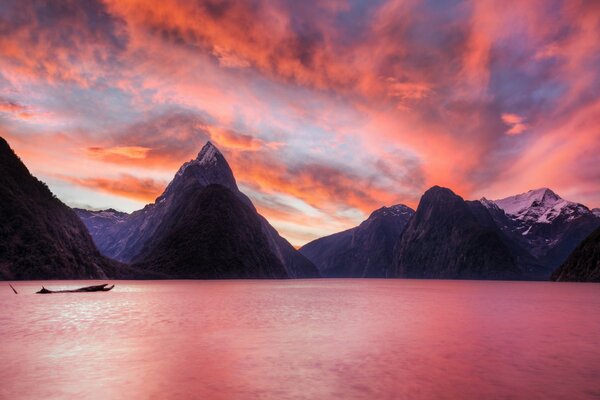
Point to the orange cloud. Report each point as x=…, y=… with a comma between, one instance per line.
x=300, y=228
x=15, y=109
x=235, y=140
x=131, y=152
x=131, y=187
x=565, y=157
x=42, y=42
x=321, y=186
x=517, y=126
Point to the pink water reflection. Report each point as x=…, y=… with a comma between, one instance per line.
x=317, y=339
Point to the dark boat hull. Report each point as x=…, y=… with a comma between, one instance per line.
x=87, y=289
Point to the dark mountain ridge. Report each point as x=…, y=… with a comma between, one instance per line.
x=583, y=265
x=211, y=235
x=449, y=238
x=40, y=237
x=365, y=251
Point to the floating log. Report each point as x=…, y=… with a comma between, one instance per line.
x=14, y=290
x=97, y=288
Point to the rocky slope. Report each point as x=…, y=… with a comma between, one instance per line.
x=583, y=265
x=40, y=237
x=365, y=251
x=449, y=238
x=210, y=233
x=100, y=222
x=128, y=240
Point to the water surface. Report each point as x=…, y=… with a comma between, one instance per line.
x=302, y=339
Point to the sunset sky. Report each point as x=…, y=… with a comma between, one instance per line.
x=325, y=110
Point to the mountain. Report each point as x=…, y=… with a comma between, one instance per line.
x=131, y=238
x=365, y=251
x=528, y=264
x=596, y=212
x=544, y=224
x=210, y=233
x=40, y=237
x=449, y=238
x=583, y=265
x=99, y=222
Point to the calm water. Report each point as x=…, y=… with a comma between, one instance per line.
x=316, y=339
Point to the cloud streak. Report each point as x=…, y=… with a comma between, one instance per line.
x=141, y=189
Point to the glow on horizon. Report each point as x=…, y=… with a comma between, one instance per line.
x=325, y=111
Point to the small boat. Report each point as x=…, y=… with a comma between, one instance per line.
x=97, y=288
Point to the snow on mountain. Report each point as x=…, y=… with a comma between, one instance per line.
x=540, y=206
x=596, y=212
x=109, y=214
x=208, y=154
x=542, y=223
x=393, y=211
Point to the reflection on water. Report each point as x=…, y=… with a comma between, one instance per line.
x=315, y=339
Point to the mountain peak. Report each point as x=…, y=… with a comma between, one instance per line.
x=208, y=154
x=209, y=167
x=545, y=193
x=439, y=190
x=439, y=194
x=541, y=206
x=542, y=197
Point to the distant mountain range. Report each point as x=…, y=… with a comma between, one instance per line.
x=204, y=227
x=526, y=236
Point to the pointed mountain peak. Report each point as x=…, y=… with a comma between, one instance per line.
x=209, y=167
x=208, y=154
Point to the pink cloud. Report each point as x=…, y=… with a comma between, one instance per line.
x=515, y=122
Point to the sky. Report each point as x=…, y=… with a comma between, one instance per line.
x=325, y=110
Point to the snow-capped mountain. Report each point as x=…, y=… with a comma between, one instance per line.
x=365, y=251
x=540, y=206
x=132, y=239
x=546, y=225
